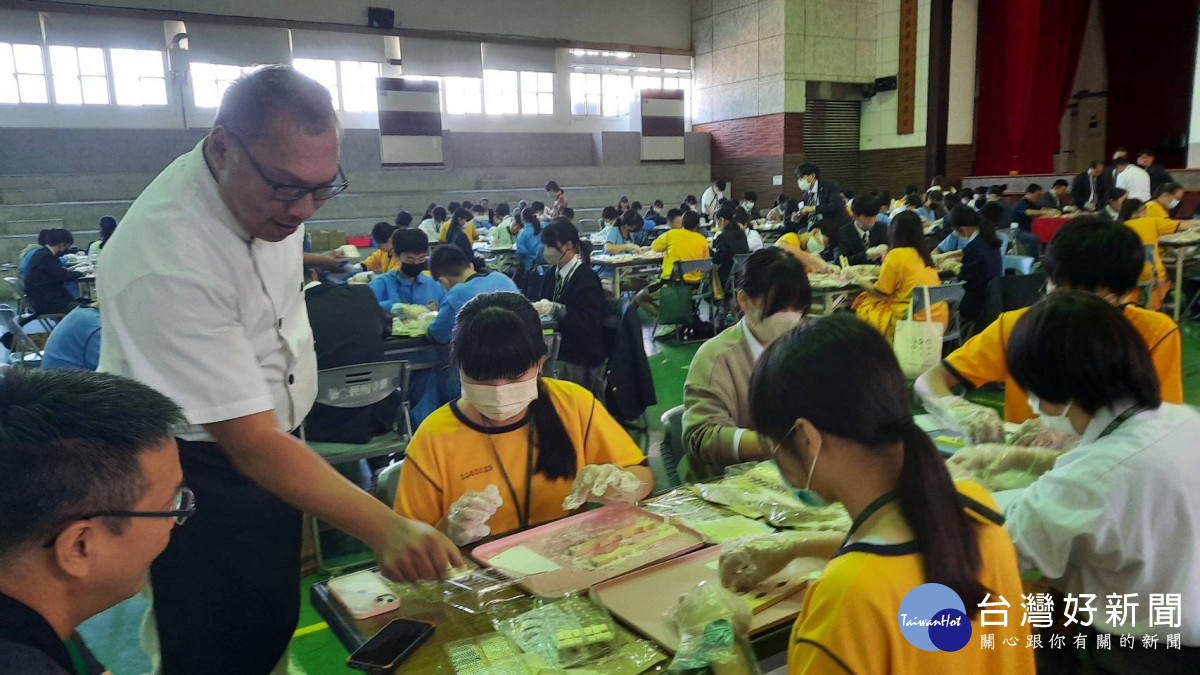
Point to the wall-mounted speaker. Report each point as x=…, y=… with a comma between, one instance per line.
x=379, y=17
x=885, y=83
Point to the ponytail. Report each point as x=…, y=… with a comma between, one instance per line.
x=944, y=532
x=556, y=453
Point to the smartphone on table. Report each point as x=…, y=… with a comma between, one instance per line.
x=390, y=646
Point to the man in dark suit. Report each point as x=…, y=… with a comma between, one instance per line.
x=348, y=327
x=1056, y=197
x=1088, y=188
x=860, y=240
x=46, y=275
x=822, y=199
x=1158, y=175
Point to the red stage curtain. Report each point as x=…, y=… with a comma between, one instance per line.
x=1029, y=51
x=1151, y=53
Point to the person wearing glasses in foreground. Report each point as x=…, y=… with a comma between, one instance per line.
x=84, y=507
x=1119, y=514
x=830, y=398
x=202, y=295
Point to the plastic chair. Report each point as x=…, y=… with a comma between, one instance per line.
x=387, y=482
x=1146, y=288
x=360, y=386
x=951, y=294
x=1008, y=293
x=672, y=444
x=23, y=349
x=679, y=301
x=553, y=344
x=588, y=225
x=1018, y=264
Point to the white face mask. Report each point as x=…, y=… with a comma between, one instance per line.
x=1173, y=204
x=804, y=185
x=772, y=327
x=501, y=402
x=749, y=206
x=1059, y=423
x=553, y=256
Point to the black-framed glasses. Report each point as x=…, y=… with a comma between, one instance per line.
x=182, y=508
x=291, y=193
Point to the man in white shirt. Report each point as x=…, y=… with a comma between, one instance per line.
x=711, y=198
x=1133, y=179
x=203, y=300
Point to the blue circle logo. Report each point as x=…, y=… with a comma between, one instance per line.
x=933, y=618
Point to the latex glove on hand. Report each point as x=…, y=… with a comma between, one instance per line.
x=877, y=252
x=979, y=423
x=544, y=307
x=603, y=484
x=1032, y=435
x=707, y=603
x=470, y=514
x=746, y=563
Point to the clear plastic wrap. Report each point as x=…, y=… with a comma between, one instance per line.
x=1002, y=467
x=978, y=423
x=491, y=654
x=759, y=492
x=713, y=624
x=564, y=633
x=1032, y=435
x=477, y=589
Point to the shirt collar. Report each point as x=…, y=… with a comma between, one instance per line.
x=756, y=348
x=567, y=270
x=22, y=625
x=1101, y=419
x=311, y=284
x=206, y=183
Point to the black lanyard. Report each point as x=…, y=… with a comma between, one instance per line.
x=1121, y=419
x=522, y=518
x=871, y=509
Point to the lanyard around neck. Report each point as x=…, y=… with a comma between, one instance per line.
x=1121, y=419
x=871, y=510
x=522, y=517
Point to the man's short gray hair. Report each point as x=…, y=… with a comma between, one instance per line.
x=250, y=103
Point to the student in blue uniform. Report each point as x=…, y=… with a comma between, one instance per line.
x=408, y=283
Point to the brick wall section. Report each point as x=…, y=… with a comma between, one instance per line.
x=892, y=169
x=960, y=162
x=749, y=152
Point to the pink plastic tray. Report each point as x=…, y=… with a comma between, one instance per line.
x=644, y=599
x=555, y=540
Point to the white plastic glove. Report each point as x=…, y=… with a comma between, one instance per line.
x=544, y=307
x=707, y=603
x=470, y=514
x=1001, y=467
x=980, y=423
x=603, y=484
x=876, y=252
x=747, y=562
x=1032, y=435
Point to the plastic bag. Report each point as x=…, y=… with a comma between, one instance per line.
x=712, y=622
x=1002, y=467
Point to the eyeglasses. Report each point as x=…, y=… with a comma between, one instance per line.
x=291, y=193
x=182, y=508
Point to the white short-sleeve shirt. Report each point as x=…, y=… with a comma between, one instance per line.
x=200, y=311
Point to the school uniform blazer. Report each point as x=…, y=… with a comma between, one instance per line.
x=582, y=326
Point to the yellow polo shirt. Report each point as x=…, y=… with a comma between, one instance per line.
x=681, y=244
x=984, y=358
x=849, y=620
x=450, y=455
x=380, y=262
x=468, y=229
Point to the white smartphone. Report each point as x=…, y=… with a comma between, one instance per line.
x=364, y=594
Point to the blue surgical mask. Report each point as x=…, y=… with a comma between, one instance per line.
x=805, y=495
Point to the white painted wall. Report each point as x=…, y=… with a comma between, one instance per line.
x=878, y=122
x=964, y=29
x=653, y=23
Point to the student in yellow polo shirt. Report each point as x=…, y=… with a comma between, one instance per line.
x=831, y=398
x=517, y=449
x=1088, y=254
x=381, y=261
x=685, y=243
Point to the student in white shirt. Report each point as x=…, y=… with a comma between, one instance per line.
x=432, y=226
x=202, y=294
x=1133, y=179
x=1119, y=513
x=711, y=198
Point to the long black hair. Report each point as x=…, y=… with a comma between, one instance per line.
x=908, y=232
x=841, y=375
x=733, y=230
x=776, y=278
x=529, y=216
x=965, y=216
x=499, y=336
x=1129, y=208
x=562, y=231
x=1074, y=346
